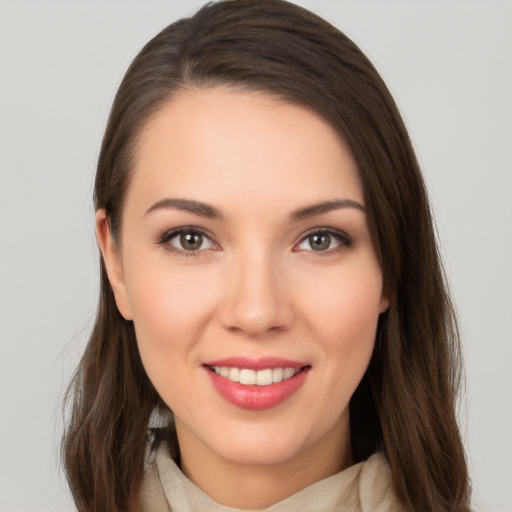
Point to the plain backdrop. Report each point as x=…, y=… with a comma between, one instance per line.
x=449, y=66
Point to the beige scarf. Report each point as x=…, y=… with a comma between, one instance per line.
x=364, y=487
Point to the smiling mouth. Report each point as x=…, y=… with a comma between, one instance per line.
x=256, y=384
x=249, y=377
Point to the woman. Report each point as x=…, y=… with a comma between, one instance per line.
x=269, y=275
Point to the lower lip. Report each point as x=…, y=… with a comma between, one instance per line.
x=257, y=398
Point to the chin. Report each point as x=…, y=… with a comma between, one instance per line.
x=257, y=445
x=268, y=454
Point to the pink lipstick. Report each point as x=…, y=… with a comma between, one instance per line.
x=256, y=384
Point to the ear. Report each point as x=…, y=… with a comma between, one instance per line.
x=113, y=263
x=384, y=302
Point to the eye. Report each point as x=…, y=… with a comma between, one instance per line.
x=323, y=241
x=186, y=240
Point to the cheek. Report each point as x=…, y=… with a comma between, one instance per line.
x=169, y=303
x=347, y=304
x=170, y=308
x=169, y=311
x=344, y=318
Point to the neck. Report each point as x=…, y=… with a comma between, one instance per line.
x=256, y=486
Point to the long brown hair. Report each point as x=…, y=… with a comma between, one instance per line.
x=405, y=403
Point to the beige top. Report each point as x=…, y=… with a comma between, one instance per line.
x=364, y=487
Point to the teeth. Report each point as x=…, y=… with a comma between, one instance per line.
x=251, y=377
x=277, y=374
x=264, y=377
x=234, y=374
x=247, y=377
x=288, y=372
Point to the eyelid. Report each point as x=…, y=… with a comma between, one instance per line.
x=343, y=238
x=168, y=235
x=163, y=240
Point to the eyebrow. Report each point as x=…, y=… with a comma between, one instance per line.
x=206, y=210
x=325, y=207
x=187, y=205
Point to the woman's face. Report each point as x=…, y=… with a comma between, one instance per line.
x=245, y=256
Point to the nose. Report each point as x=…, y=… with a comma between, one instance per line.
x=256, y=300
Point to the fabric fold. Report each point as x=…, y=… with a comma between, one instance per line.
x=364, y=487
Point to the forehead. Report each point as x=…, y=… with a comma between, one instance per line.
x=214, y=143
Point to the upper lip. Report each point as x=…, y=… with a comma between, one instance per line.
x=261, y=363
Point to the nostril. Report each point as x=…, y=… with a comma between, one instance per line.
x=254, y=316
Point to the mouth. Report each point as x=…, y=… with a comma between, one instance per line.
x=256, y=385
x=249, y=377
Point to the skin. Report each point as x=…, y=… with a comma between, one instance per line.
x=254, y=288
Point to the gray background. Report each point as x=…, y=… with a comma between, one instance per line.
x=449, y=65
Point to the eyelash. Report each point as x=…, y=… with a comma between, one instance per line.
x=173, y=233
x=341, y=237
x=344, y=241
